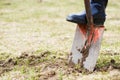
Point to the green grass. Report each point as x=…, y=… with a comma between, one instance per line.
x=32, y=27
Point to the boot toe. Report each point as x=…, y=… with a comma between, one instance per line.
x=70, y=18
x=80, y=19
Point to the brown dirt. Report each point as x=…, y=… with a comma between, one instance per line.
x=49, y=68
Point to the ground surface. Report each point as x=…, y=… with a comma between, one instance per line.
x=35, y=39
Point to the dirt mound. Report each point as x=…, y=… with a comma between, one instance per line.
x=49, y=67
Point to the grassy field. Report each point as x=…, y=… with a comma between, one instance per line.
x=35, y=39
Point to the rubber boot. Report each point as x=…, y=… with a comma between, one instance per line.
x=98, y=12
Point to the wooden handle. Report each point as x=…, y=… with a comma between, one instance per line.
x=88, y=12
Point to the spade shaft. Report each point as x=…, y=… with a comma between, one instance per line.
x=88, y=12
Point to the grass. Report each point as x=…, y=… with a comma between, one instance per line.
x=33, y=27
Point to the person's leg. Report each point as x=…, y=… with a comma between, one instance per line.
x=98, y=13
